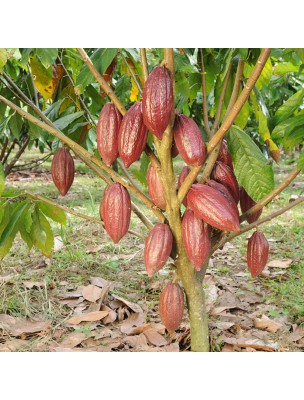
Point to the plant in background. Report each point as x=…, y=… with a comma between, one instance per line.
x=189, y=100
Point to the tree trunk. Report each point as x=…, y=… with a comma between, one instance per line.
x=193, y=286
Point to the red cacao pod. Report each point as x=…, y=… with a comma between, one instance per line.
x=63, y=170
x=116, y=211
x=196, y=239
x=157, y=101
x=213, y=208
x=183, y=175
x=107, y=130
x=132, y=135
x=224, y=155
x=158, y=247
x=224, y=175
x=174, y=151
x=224, y=191
x=246, y=203
x=155, y=188
x=171, y=306
x=257, y=253
x=101, y=208
x=189, y=140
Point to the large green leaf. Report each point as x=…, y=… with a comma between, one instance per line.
x=65, y=121
x=286, y=127
x=251, y=168
x=294, y=138
x=47, y=56
x=2, y=178
x=53, y=212
x=101, y=58
x=15, y=125
x=284, y=68
x=25, y=228
x=265, y=76
x=290, y=106
x=41, y=233
x=242, y=118
x=11, y=229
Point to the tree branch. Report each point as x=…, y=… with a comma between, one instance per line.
x=9, y=167
x=183, y=190
x=144, y=64
x=69, y=211
x=271, y=195
x=4, y=149
x=256, y=223
x=236, y=86
x=204, y=90
x=221, y=101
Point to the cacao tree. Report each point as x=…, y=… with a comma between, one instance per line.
x=228, y=113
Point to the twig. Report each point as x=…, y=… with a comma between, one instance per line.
x=204, y=90
x=236, y=86
x=132, y=73
x=221, y=101
x=4, y=149
x=257, y=223
x=144, y=64
x=69, y=211
x=17, y=156
x=183, y=190
x=271, y=195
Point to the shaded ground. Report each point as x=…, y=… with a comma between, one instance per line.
x=41, y=299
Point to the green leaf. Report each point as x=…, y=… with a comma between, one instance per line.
x=250, y=166
x=25, y=56
x=242, y=118
x=47, y=56
x=286, y=127
x=101, y=58
x=11, y=229
x=289, y=107
x=2, y=178
x=53, y=212
x=53, y=110
x=294, y=138
x=25, y=228
x=284, y=68
x=300, y=163
x=65, y=121
x=265, y=76
x=3, y=59
x=15, y=125
x=41, y=233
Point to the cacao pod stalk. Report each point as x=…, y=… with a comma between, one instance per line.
x=171, y=306
x=213, y=208
x=257, y=253
x=157, y=101
x=158, y=247
x=63, y=170
x=116, y=211
x=223, y=174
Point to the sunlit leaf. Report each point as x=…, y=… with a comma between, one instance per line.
x=47, y=56
x=41, y=233
x=287, y=126
x=53, y=212
x=289, y=107
x=42, y=78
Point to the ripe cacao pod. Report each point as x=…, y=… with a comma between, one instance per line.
x=109, y=121
x=157, y=101
x=224, y=191
x=171, y=306
x=224, y=175
x=183, y=175
x=174, y=151
x=116, y=211
x=189, y=141
x=213, y=208
x=63, y=170
x=132, y=136
x=246, y=203
x=196, y=239
x=155, y=188
x=224, y=155
x=257, y=253
x=158, y=246
x=101, y=208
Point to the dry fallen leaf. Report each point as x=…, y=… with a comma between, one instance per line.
x=136, y=341
x=18, y=326
x=251, y=342
x=73, y=340
x=13, y=345
x=58, y=244
x=297, y=333
x=91, y=293
x=30, y=285
x=154, y=338
x=280, y=263
x=109, y=318
x=134, y=307
x=5, y=278
x=89, y=317
x=267, y=324
x=134, y=320
x=94, y=249
x=95, y=280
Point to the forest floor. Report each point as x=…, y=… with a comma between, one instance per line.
x=93, y=295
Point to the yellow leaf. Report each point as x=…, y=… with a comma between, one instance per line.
x=42, y=78
x=134, y=91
